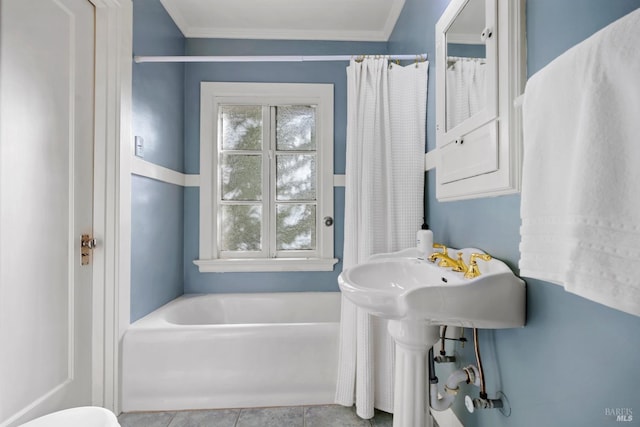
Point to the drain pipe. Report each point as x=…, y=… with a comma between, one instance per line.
x=443, y=352
x=470, y=375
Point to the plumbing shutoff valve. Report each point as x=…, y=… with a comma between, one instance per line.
x=444, y=359
x=480, y=403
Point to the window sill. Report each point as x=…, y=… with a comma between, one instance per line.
x=264, y=264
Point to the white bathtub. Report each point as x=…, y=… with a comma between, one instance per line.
x=233, y=351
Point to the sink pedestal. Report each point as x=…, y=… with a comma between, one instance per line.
x=411, y=393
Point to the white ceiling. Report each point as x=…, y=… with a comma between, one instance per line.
x=356, y=20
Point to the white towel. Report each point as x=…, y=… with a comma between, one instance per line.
x=581, y=172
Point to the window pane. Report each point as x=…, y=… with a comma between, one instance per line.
x=241, y=177
x=241, y=127
x=295, y=227
x=296, y=127
x=241, y=228
x=296, y=177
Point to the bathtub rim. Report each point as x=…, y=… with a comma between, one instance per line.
x=157, y=320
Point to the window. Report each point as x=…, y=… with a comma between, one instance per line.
x=266, y=172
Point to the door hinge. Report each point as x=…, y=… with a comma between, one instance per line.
x=87, y=244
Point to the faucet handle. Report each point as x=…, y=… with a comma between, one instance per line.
x=484, y=257
x=443, y=247
x=473, y=270
x=435, y=255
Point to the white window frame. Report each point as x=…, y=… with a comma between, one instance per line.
x=213, y=94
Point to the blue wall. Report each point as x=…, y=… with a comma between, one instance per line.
x=574, y=358
x=415, y=32
x=315, y=72
x=158, y=117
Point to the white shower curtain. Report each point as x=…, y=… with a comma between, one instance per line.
x=386, y=113
x=466, y=88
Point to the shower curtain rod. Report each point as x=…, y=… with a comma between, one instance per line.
x=294, y=58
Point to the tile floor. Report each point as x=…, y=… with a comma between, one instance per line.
x=292, y=416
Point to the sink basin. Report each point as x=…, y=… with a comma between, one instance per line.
x=418, y=296
x=399, y=286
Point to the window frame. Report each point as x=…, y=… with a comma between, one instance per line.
x=214, y=94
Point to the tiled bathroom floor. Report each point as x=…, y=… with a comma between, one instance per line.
x=293, y=416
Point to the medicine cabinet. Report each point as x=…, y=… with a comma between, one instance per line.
x=480, y=72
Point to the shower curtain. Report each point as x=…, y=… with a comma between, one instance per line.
x=386, y=113
x=466, y=88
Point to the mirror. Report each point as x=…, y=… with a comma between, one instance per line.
x=480, y=70
x=466, y=53
x=468, y=42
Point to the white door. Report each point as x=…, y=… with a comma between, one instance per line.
x=46, y=192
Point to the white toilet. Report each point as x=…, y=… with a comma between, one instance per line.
x=86, y=416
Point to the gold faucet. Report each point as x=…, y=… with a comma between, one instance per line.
x=470, y=271
x=473, y=271
x=445, y=259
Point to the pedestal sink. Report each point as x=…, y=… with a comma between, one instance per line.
x=418, y=296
